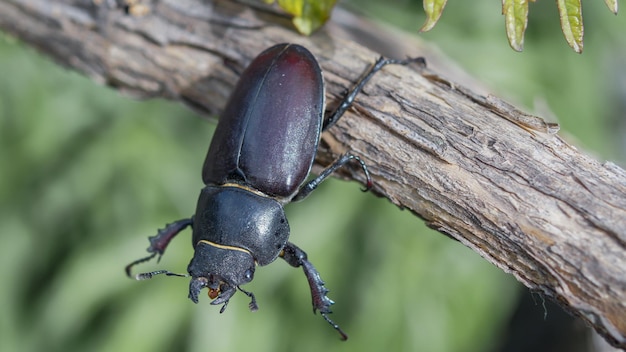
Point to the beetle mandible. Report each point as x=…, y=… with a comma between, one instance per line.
x=259, y=159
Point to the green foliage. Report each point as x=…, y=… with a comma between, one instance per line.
x=516, y=18
x=308, y=15
x=612, y=5
x=571, y=14
x=433, y=10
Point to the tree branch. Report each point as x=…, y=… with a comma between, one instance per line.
x=473, y=167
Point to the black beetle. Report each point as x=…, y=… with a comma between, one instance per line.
x=260, y=156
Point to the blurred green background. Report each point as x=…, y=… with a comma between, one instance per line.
x=87, y=175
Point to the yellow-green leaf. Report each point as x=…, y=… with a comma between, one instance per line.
x=515, y=19
x=433, y=9
x=571, y=13
x=612, y=5
x=308, y=15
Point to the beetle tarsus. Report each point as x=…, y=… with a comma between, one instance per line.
x=348, y=98
x=296, y=257
x=252, y=305
x=129, y=267
x=344, y=336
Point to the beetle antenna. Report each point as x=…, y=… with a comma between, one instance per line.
x=151, y=274
x=252, y=305
x=335, y=326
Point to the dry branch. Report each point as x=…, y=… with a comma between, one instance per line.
x=471, y=166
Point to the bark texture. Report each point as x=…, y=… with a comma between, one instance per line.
x=472, y=166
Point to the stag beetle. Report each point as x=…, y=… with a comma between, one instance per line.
x=259, y=159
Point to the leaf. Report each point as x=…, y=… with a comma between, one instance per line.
x=515, y=19
x=612, y=5
x=308, y=15
x=571, y=13
x=433, y=9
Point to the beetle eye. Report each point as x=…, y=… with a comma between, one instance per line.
x=249, y=274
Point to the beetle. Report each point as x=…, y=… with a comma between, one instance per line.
x=259, y=159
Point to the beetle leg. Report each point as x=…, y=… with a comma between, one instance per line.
x=310, y=186
x=252, y=305
x=158, y=244
x=348, y=99
x=296, y=257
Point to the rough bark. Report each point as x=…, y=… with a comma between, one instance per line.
x=473, y=167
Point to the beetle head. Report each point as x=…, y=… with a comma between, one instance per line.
x=221, y=269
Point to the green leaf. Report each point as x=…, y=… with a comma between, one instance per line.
x=571, y=14
x=433, y=9
x=308, y=15
x=612, y=5
x=515, y=19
